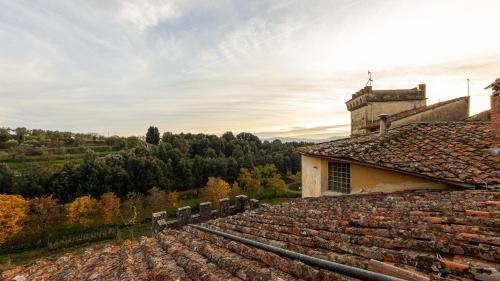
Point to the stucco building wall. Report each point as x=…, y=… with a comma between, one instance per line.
x=363, y=179
x=455, y=111
x=367, y=179
x=368, y=114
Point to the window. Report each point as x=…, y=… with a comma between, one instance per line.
x=339, y=177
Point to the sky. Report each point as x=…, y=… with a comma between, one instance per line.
x=274, y=68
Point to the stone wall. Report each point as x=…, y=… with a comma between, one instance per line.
x=184, y=217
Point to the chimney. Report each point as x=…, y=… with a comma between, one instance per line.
x=495, y=116
x=383, y=123
x=422, y=88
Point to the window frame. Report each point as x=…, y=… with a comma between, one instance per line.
x=339, y=177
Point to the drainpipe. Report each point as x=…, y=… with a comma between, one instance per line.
x=383, y=123
x=321, y=263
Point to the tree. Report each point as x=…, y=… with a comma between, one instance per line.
x=32, y=182
x=44, y=212
x=277, y=185
x=132, y=208
x=215, y=189
x=13, y=212
x=247, y=182
x=264, y=173
x=133, y=141
x=4, y=135
x=153, y=135
x=81, y=210
x=297, y=177
x=6, y=179
x=108, y=207
x=156, y=200
x=21, y=134
x=91, y=174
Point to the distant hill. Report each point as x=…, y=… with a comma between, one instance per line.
x=288, y=139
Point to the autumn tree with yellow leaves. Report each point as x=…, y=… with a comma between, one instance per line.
x=108, y=207
x=173, y=200
x=81, y=210
x=13, y=212
x=235, y=189
x=277, y=185
x=215, y=189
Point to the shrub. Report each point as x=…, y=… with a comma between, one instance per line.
x=11, y=143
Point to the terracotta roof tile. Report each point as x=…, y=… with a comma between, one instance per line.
x=457, y=152
x=424, y=234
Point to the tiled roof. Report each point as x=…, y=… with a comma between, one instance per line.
x=495, y=85
x=407, y=113
x=420, y=234
x=456, y=152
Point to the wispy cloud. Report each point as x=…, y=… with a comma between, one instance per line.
x=277, y=67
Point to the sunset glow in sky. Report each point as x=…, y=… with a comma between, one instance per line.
x=276, y=68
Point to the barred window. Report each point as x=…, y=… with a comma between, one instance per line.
x=339, y=177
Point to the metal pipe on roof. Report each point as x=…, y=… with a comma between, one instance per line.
x=321, y=263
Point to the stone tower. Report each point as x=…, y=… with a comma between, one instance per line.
x=367, y=104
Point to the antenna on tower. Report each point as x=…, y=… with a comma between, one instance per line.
x=370, y=80
x=468, y=82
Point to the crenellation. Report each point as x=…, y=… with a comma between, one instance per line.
x=224, y=210
x=241, y=203
x=160, y=220
x=205, y=211
x=183, y=216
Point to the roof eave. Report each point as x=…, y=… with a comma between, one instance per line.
x=367, y=164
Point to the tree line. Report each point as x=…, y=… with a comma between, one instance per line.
x=25, y=220
x=172, y=162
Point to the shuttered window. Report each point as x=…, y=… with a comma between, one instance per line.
x=339, y=177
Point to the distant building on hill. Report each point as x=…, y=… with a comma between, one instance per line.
x=401, y=107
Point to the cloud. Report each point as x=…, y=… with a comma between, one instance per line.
x=319, y=132
x=206, y=66
x=147, y=13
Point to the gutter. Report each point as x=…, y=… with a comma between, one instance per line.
x=343, y=269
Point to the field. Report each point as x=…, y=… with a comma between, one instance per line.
x=52, y=158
